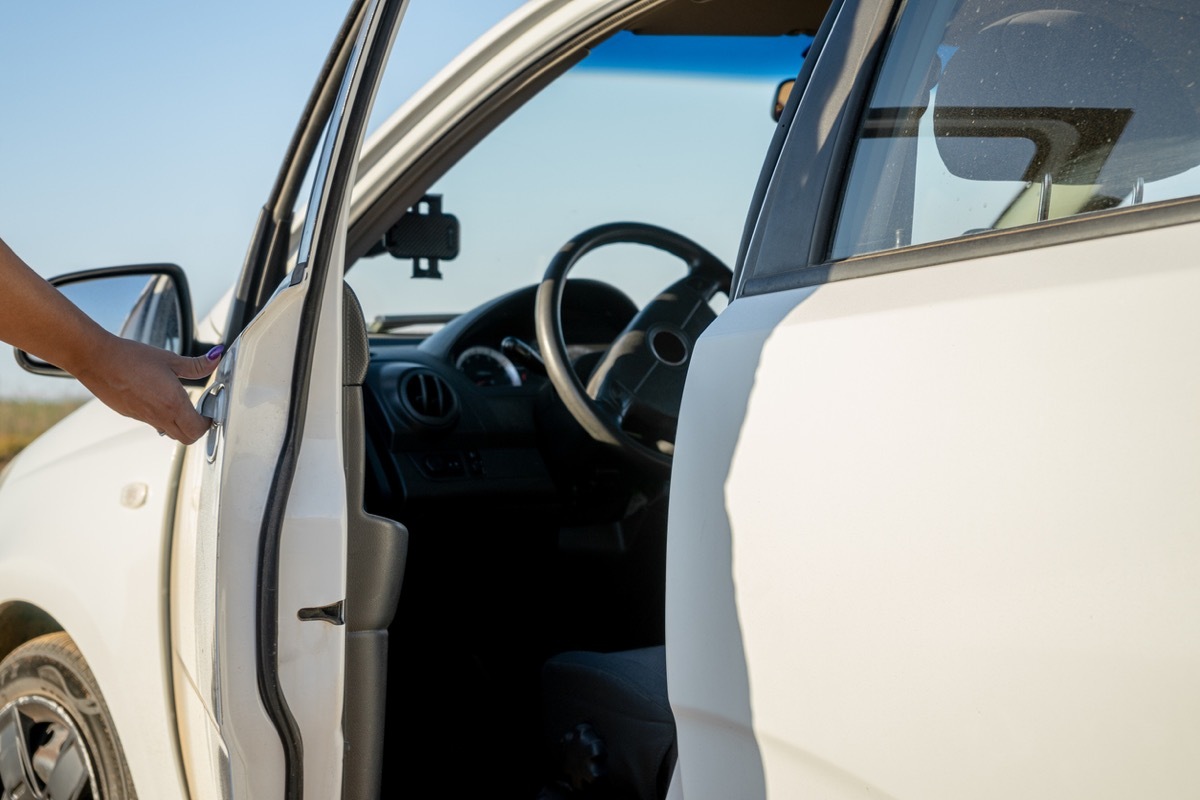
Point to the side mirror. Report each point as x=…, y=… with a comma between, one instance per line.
x=782, y=93
x=148, y=303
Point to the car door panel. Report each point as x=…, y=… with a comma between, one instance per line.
x=214, y=577
x=960, y=504
x=312, y=563
x=265, y=565
x=376, y=555
x=229, y=495
x=87, y=512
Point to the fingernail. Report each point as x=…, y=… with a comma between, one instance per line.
x=215, y=353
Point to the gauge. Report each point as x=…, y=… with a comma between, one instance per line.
x=487, y=367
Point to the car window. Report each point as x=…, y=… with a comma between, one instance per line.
x=429, y=39
x=988, y=116
x=663, y=130
x=426, y=42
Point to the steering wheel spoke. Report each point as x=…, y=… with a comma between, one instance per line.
x=632, y=399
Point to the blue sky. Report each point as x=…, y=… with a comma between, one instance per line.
x=142, y=131
x=139, y=130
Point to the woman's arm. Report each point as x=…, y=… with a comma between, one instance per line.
x=131, y=378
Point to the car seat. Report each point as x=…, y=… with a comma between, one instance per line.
x=609, y=725
x=1063, y=97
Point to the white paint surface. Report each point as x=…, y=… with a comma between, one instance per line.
x=964, y=527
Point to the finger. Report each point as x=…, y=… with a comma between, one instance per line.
x=172, y=430
x=193, y=429
x=188, y=428
x=182, y=422
x=199, y=366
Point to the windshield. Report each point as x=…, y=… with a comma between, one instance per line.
x=664, y=130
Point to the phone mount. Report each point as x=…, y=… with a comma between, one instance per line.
x=424, y=234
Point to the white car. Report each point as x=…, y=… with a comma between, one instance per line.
x=923, y=522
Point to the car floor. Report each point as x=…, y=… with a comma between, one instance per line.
x=486, y=599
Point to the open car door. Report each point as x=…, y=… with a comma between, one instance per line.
x=259, y=605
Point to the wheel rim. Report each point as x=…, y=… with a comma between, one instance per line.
x=43, y=756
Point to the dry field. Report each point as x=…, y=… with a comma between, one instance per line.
x=21, y=421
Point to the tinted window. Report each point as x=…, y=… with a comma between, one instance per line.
x=993, y=115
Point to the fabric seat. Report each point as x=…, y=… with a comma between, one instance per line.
x=1067, y=95
x=608, y=717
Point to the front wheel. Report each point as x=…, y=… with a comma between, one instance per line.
x=57, y=740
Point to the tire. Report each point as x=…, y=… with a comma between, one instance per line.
x=57, y=740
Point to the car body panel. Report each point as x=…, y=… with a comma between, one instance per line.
x=313, y=562
x=719, y=756
x=214, y=578
x=121, y=479
x=269, y=542
x=989, y=463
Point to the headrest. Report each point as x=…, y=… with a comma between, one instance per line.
x=1063, y=93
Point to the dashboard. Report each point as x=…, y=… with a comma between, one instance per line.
x=454, y=416
x=484, y=367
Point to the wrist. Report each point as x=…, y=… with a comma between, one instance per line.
x=86, y=353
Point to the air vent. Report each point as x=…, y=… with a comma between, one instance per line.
x=428, y=399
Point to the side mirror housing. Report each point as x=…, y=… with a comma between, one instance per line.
x=148, y=303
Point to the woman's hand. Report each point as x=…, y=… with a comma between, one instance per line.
x=143, y=382
x=133, y=379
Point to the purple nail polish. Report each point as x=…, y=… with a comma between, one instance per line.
x=215, y=353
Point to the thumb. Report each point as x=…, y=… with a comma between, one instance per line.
x=198, y=366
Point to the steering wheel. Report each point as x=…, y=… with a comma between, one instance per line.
x=631, y=401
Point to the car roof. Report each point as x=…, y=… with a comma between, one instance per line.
x=733, y=17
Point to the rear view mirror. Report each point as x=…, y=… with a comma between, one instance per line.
x=148, y=303
x=782, y=93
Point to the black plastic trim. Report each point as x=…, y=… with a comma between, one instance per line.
x=253, y=263
x=991, y=243
x=777, y=141
x=263, y=265
x=805, y=184
x=872, y=40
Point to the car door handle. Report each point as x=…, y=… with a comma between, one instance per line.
x=214, y=405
